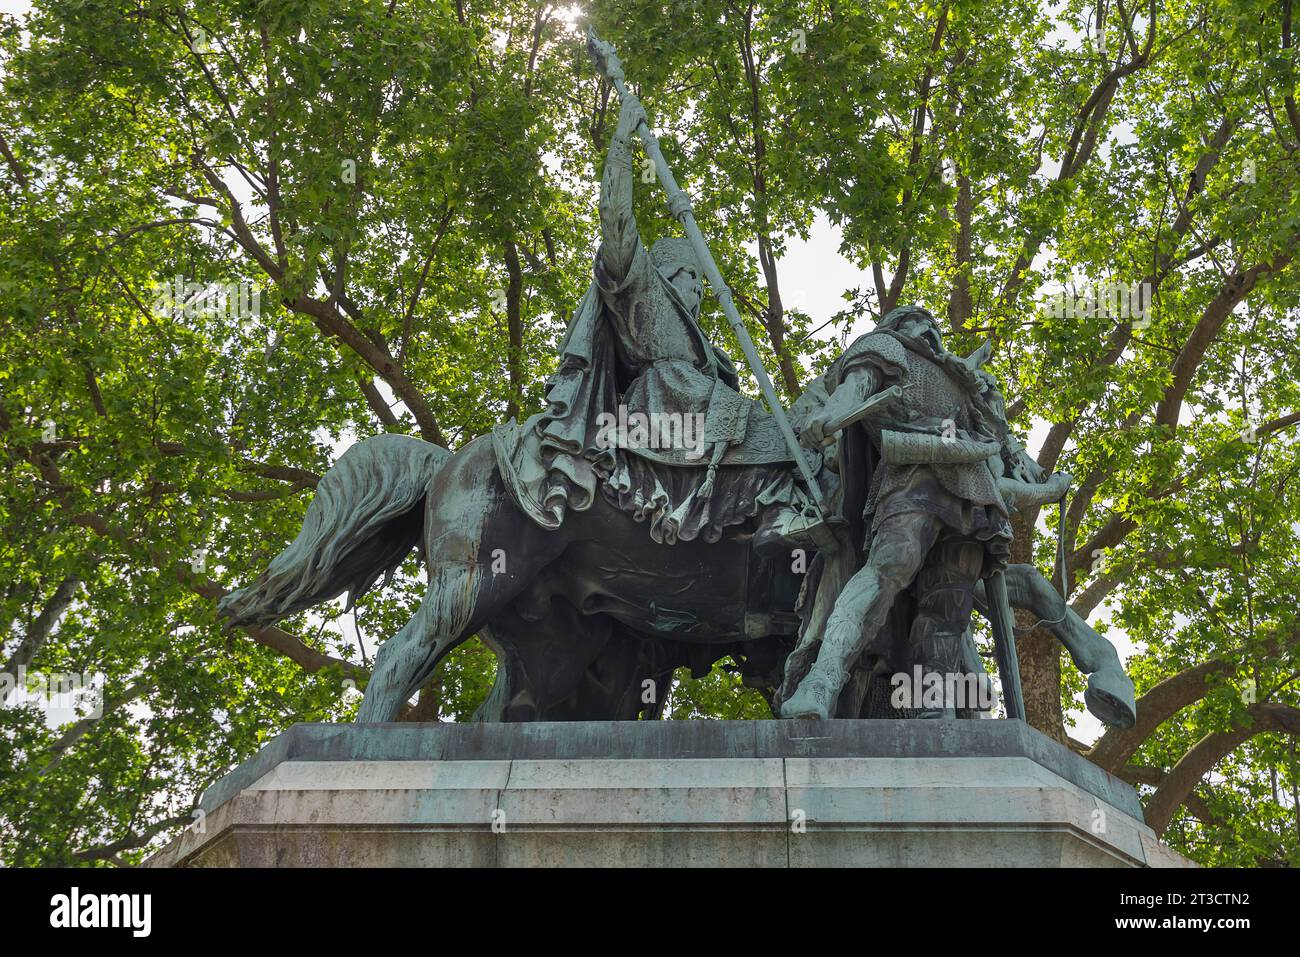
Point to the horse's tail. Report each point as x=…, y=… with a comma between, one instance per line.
x=367, y=515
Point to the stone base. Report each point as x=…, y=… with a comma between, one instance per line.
x=669, y=794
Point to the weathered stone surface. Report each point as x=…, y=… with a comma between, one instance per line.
x=649, y=794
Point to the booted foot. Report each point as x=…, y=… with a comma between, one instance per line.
x=814, y=698
x=791, y=529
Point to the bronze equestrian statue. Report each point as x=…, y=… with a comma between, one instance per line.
x=652, y=517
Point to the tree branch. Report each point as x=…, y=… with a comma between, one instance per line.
x=39, y=630
x=1209, y=751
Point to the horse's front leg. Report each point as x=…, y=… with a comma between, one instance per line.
x=1110, y=691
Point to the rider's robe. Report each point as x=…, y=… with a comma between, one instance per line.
x=634, y=342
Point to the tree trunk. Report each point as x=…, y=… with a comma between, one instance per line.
x=1039, y=653
x=515, y=328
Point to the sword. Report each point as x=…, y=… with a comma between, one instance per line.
x=1004, y=645
x=607, y=62
x=874, y=404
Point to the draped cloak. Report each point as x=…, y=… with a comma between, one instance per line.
x=634, y=342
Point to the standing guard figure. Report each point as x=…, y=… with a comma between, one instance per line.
x=937, y=522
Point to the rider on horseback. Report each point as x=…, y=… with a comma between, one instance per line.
x=635, y=342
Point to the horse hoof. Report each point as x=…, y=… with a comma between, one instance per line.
x=1110, y=698
x=811, y=713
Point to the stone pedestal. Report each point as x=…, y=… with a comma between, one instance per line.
x=669, y=794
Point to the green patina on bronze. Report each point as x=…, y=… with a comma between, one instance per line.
x=595, y=570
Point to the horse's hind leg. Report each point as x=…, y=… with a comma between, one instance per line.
x=481, y=552
x=406, y=660
x=542, y=662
